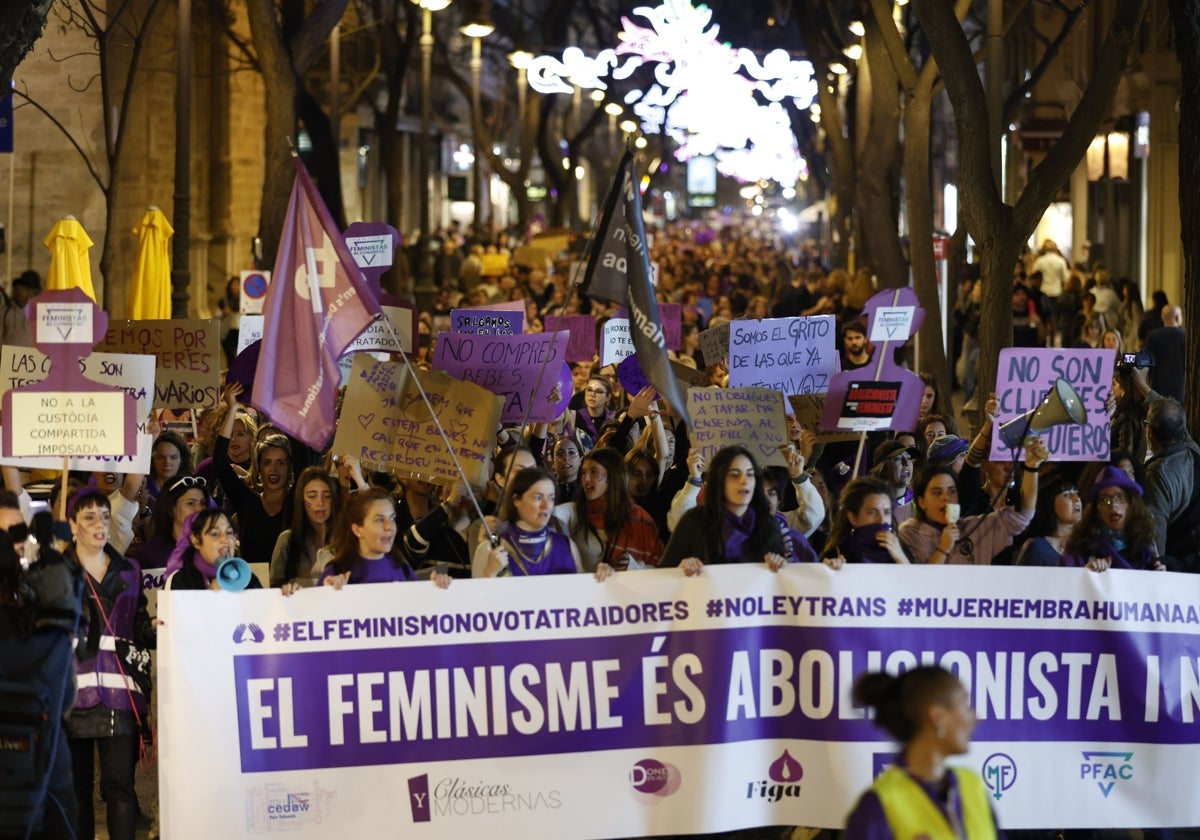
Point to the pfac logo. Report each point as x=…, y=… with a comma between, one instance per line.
x=1106, y=769
x=999, y=773
x=784, y=776
x=655, y=778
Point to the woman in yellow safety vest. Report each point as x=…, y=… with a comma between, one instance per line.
x=928, y=711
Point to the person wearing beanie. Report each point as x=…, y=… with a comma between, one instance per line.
x=1116, y=530
x=948, y=451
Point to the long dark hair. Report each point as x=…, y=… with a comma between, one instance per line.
x=900, y=702
x=201, y=522
x=345, y=542
x=1045, y=520
x=164, y=506
x=1139, y=530
x=922, y=484
x=522, y=481
x=766, y=533
x=854, y=494
x=185, y=454
x=616, y=498
x=301, y=528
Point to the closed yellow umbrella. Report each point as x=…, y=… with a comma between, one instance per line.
x=150, y=296
x=69, y=267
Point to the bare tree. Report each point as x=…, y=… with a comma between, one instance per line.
x=1000, y=229
x=21, y=24
x=120, y=34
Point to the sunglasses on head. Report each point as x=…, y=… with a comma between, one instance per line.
x=188, y=481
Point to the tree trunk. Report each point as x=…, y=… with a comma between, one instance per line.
x=995, y=307
x=324, y=159
x=1185, y=15
x=21, y=24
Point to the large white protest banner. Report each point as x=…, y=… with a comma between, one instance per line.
x=659, y=704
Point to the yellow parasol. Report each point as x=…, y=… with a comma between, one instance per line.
x=150, y=297
x=69, y=267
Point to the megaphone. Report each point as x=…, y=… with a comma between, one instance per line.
x=1061, y=405
x=233, y=574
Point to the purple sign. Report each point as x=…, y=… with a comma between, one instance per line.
x=582, y=329
x=509, y=366
x=631, y=376
x=1025, y=376
x=487, y=321
x=792, y=355
x=671, y=315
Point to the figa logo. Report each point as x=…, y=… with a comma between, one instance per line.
x=1106, y=769
x=784, y=775
x=999, y=773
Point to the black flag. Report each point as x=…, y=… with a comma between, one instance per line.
x=619, y=271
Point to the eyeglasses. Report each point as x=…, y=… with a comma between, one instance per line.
x=595, y=392
x=188, y=481
x=1114, y=500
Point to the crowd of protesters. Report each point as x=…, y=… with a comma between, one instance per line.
x=614, y=486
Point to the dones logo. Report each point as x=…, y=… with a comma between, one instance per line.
x=654, y=777
x=1106, y=769
x=999, y=773
x=418, y=798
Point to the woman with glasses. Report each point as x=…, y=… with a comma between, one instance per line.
x=261, y=510
x=1059, y=510
x=181, y=498
x=588, y=420
x=1116, y=529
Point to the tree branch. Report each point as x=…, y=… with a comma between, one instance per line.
x=87, y=161
x=1048, y=57
x=309, y=41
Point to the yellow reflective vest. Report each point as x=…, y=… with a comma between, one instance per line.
x=912, y=815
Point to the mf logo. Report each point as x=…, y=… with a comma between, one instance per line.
x=999, y=773
x=1106, y=768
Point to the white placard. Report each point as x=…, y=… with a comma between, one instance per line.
x=371, y=251
x=616, y=342
x=250, y=330
x=892, y=323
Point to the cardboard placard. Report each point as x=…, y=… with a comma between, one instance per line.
x=616, y=342
x=1025, y=375
x=714, y=344
x=495, y=265
x=790, y=355
x=808, y=408
x=132, y=373
x=487, y=321
x=188, y=372
x=530, y=256
x=382, y=335
x=508, y=366
x=66, y=423
x=581, y=347
x=386, y=425
x=749, y=417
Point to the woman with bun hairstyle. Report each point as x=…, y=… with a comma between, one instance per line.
x=929, y=712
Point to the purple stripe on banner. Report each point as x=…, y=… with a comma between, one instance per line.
x=466, y=701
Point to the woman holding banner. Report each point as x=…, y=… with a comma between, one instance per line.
x=313, y=516
x=733, y=525
x=1058, y=512
x=929, y=712
x=364, y=545
x=526, y=544
x=862, y=527
x=603, y=521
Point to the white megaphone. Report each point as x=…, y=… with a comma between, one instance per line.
x=233, y=574
x=1061, y=405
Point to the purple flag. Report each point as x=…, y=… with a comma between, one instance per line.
x=317, y=304
x=619, y=271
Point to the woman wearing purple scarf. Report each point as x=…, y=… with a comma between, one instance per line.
x=526, y=545
x=208, y=538
x=1116, y=529
x=862, y=529
x=733, y=525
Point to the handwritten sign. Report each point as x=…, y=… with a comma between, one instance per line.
x=714, y=344
x=189, y=358
x=495, y=265
x=1025, y=375
x=81, y=423
x=790, y=355
x=617, y=342
x=808, y=408
x=250, y=330
x=509, y=366
x=387, y=426
x=487, y=321
x=392, y=333
x=749, y=417
x=582, y=328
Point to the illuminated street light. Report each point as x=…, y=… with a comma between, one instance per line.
x=853, y=52
x=856, y=26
